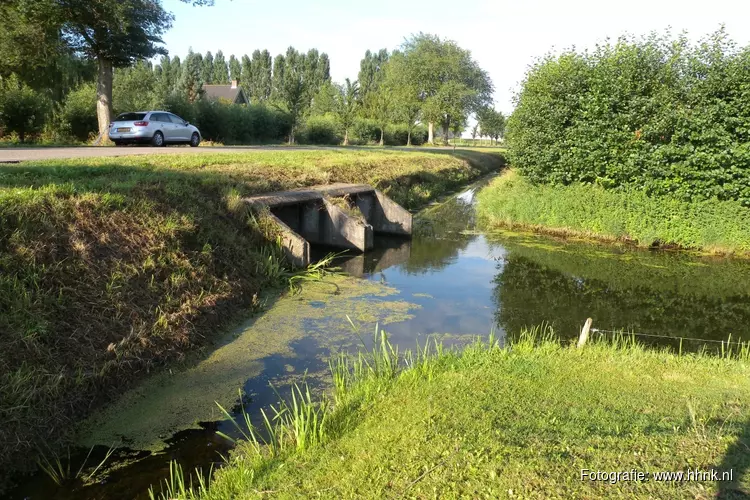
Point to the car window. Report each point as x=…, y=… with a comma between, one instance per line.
x=159, y=117
x=130, y=117
x=176, y=119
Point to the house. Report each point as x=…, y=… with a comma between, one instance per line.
x=231, y=93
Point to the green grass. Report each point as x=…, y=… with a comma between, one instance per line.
x=629, y=215
x=494, y=422
x=111, y=266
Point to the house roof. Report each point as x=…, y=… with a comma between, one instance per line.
x=235, y=95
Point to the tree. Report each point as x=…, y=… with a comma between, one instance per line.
x=371, y=72
x=450, y=83
x=346, y=105
x=22, y=110
x=115, y=33
x=191, y=84
x=379, y=106
x=492, y=123
x=207, y=72
x=221, y=72
x=135, y=88
x=260, y=81
x=291, y=89
x=235, y=69
x=474, y=131
x=79, y=111
x=406, y=103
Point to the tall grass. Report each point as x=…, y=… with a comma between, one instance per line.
x=627, y=214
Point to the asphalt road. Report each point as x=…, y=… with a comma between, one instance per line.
x=14, y=155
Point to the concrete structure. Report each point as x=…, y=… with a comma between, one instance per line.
x=308, y=216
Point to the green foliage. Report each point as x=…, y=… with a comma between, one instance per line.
x=22, y=110
x=233, y=124
x=628, y=214
x=325, y=129
x=448, y=82
x=134, y=89
x=398, y=135
x=190, y=83
x=346, y=105
x=657, y=113
x=79, y=112
x=221, y=71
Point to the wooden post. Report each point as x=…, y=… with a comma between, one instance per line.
x=584, y=337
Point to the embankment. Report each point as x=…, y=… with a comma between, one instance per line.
x=497, y=422
x=110, y=267
x=624, y=214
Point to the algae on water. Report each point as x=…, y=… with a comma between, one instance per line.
x=169, y=402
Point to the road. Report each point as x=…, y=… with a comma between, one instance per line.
x=14, y=155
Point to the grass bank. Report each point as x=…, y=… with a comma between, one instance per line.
x=110, y=266
x=629, y=215
x=494, y=422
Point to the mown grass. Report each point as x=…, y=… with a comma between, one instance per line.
x=505, y=422
x=111, y=266
x=630, y=215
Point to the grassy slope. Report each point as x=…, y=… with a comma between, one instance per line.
x=714, y=226
x=520, y=422
x=109, y=265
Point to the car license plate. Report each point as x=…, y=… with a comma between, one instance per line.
x=123, y=129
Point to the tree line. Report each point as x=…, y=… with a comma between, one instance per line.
x=56, y=63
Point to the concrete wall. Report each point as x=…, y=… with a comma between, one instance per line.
x=338, y=229
x=384, y=214
x=296, y=248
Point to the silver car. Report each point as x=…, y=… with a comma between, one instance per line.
x=157, y=128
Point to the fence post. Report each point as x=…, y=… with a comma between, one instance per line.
x=584, y=336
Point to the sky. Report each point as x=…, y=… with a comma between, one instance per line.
x=503, y=37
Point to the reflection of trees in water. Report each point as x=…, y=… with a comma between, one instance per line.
x=528, y=293
x=438, y=236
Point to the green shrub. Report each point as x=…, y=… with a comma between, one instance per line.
x=656, y=113
x=364, y=131
x=398, y=135
x=324, y=129
x=232, y=123
x=626, y=214
x=78, y=113
x=22, y=110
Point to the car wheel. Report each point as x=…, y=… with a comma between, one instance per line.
x=157, y=140
x=195, y=140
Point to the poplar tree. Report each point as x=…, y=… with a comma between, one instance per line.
x=221, y=72
x=235, y=69
x=207, y=71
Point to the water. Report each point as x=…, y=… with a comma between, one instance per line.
x=460, y=284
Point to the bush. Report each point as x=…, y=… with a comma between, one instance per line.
x=364, y=131
x=78, y=113
x=22, y=110
x=624, y=214
x=398, y=135
x=324, y=129
x=232, y=123
x=654, y=113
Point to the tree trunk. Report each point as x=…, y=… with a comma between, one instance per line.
x=104, y=97
x=382, y=136
x=431, y=133
x=445, y=134
x=408, y=137
x=346, y=137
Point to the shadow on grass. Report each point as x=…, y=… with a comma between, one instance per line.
x=736, y=459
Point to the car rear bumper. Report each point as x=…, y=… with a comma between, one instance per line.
x=135, y=136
